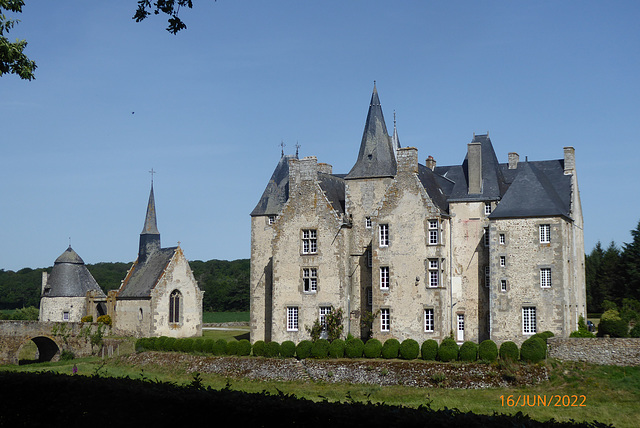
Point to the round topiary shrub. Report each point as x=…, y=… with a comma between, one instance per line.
x=209, y=346
x=372, y=348
x=198, y=345
x=158, y=345
x=448, y=350
x=390, y=348
x=141, y=344
x=468, y=351
x=353, y=348
x=220, y=347
x=533, y=349
x=171, y=344
x=509, y=351
x=336, y=348
x=244, y=348
x=288, y=349
x=258, y=348
x=320, y=348
x=232, y=347
x=612, y=324
x=488, y=350
x=429, y=349
x=409, y=349
x=303, y=349
x=272, y=349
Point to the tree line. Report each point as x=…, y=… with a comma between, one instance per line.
x=225, y=283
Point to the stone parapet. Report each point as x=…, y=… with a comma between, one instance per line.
x=598, y=350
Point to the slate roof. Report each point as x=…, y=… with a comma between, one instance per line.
x=376, y=157
x=144, y=275
x=333, y=187
x=276, y=193
x=70, y=277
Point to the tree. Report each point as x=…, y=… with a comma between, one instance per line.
x=168, y=7
x=12, y=57
x=631, y=265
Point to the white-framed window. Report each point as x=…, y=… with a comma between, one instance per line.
x=545, y=277
x=272, y=219
x=384, y=235
x=487, y=208
x=310, y=280
x=65, y=316
x=487, y=276
x=309, y=241
x=503, y=261
x=545, y=233
x=502, y=239
x=434, y=273
x=367, y=222
x=485, y=237
x=385, y=319
x=460, y=336
x=324, y=311
x=503, y=285
x=434, y=232
x=384, y=277
x=292, y=318
x=428, y=320
x=529, y=320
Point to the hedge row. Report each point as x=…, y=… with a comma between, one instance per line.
x=532, y=350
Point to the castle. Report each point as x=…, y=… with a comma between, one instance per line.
x=480, y=250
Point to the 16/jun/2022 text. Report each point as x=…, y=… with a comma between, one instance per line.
x=543, y=400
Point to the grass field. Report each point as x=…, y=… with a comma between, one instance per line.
x=577, y=391
x=220, y=317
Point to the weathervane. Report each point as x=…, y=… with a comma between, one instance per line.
x=297, y=147
x=152, y=172
x=282, y=144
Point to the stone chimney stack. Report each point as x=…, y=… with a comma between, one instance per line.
x=474, y=166
x=569, y=160
x=45, y=279
x=325, y=168
x=407, y=159
x=514, y=158
x=430, y=163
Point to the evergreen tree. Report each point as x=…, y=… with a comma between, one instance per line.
x=631, y=265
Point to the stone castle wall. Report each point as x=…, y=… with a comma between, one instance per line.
x=598, y=350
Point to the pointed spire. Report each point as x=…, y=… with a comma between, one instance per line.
x=150, y=224
x=376, y=157
x=395, y=141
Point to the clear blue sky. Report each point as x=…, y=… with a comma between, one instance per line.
x=208, y=108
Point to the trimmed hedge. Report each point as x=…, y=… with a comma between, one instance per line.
x=303, y=349
x=468, y=351
x=448, y=350
x=429, y=350
x=258, y=348
x=220, y=347
x=336, y=348
x=488, y=350
x=409, y=349
x=272, y=349
x=354, y=348
x=244, y=347
x=232, y=347
x=372, y=348
x=533, y=349
x=320, y=348
x=509, y=351
x=288, y=349
x=390, y=349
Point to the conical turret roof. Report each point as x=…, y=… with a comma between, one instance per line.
x=70, y=277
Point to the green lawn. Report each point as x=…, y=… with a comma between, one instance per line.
x=220, y=317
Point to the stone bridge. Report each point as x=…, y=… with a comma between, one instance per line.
x=51, y=338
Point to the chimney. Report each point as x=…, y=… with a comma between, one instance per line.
x=407, y=159
x=45, y=279
x=430, y=163
x=325, y=168
x=474, y=167
x=569, y=160
x=514, y=158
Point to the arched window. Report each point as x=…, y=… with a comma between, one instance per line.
x=174, y=306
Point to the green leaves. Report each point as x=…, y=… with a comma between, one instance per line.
x=12, y=57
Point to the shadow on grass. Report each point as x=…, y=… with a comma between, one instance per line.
x=242, y=336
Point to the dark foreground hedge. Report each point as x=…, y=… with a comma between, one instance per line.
x=151, y=403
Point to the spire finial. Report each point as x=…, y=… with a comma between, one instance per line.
x=297, y=147
x=282, y=144
x=152, y=172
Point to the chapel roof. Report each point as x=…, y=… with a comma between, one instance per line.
x=145, y=274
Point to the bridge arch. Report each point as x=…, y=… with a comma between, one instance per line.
x=47, y=349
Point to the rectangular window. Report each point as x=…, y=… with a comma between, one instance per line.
x=487, y=208
x=434, y=232
x=545, y=277
x=369, y=258
x=292, y=318
x=545, y=233
x=324, y=311
x=384, y=277
x=529, y=320
x=503, y=239
x=434, y=273
x=487, y=276
x=369, y=296
x=385, y=320
x=460, y=336
x=272, y=219
x=309, y=241
x=367, y=222
x=65, y=316
x=503, y=285
x=428, y=320
x=486, y=237
x=310, y=280
x=384, y=235
x=503, y=261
